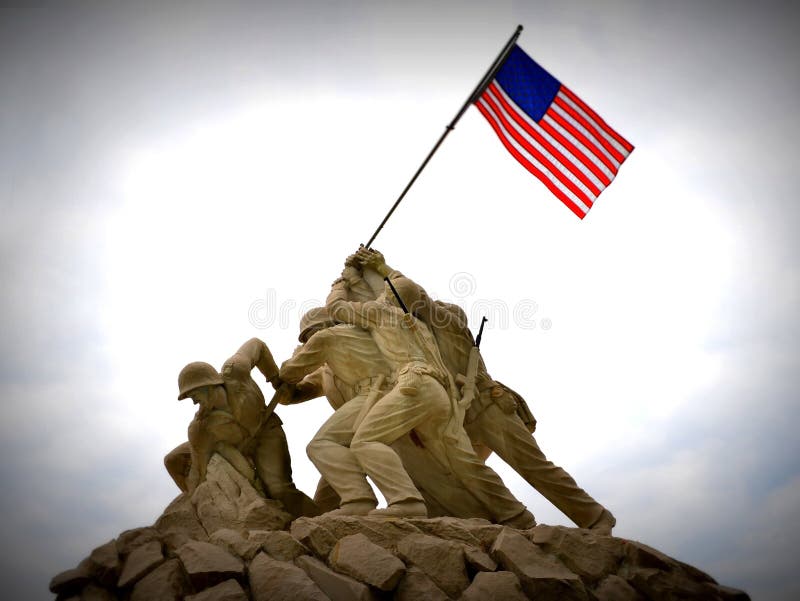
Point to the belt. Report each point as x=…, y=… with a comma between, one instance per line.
x=365, y=386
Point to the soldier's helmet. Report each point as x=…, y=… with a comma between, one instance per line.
x=314, y=319
x=196, y=375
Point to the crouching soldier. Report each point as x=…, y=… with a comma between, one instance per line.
x=232, y=420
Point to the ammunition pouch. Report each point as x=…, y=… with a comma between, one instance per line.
x=507, y=401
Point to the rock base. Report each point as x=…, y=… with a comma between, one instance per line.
x=227, y=543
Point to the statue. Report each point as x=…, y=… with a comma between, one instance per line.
x=347, y=357
x=498, y=419
x=415, y=410
x=423, y=398
x=233, y=420
x=343, y=363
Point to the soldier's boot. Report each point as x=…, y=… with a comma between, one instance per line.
x=522, y=521
x=403, y=509
x=604, y=524
x=354, y=508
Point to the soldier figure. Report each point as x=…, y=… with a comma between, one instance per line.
x=498, y=419
x=232, y=420
x=343, y=363
x=422, y=399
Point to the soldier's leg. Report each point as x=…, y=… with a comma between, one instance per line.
x=325, y=497
x=274, y=467
x=507, y=436
x=481, y=480
x=444, y=494
x=177, y=462
x=394, y=415
x=329, y=451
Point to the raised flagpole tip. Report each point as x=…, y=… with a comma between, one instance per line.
x=498, y=62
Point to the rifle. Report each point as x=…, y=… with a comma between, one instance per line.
x=472, y=370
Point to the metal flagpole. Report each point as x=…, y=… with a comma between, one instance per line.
x=482, y=84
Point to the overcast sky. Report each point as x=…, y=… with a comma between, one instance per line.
x=177, y=178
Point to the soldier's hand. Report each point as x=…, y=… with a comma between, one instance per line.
x=351, y=275
x=304, y=388
x=370, y=257
x=285, y=394
x=275, y=381
x=352, y=260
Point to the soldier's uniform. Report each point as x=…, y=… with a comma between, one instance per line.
x=245, y=427
x=355, y=366
x=423, y=399
x=499, y=419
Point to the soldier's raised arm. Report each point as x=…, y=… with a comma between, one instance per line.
x=423, y=306
x=363, y=314
x=253, y=353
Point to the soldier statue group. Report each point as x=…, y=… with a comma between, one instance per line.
x=414, y=410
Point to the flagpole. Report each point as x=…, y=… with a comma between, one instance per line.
x=482, y=84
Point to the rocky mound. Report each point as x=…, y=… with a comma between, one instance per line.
x=226, y=543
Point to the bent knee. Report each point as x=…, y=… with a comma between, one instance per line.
x=316, y=445
x=365, y=445
x=359, y=443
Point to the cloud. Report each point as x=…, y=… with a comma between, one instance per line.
x=763, y=546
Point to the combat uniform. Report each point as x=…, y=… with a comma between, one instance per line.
x=423, y=399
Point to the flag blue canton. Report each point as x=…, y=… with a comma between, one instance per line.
x=527, y=83
x=551, y=132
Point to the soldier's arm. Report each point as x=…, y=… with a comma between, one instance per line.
x=253, y=353
x=306, y=359
x=310, y=387
x=359, y=289
x=361, y=314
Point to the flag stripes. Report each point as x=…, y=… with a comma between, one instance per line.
x=563, y=119
x=569, y=148
x=597, y=119
x=575, y=205
x=533, y=149
x=579, y=149
x=548, y=141
x=588, y=130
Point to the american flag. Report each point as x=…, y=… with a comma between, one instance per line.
x=552, y=132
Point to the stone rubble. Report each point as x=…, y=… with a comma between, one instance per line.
x=225, y=543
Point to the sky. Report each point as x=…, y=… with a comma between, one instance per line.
x=176, y=178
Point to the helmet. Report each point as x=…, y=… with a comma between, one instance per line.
x=314, y=319
x=196, y=375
